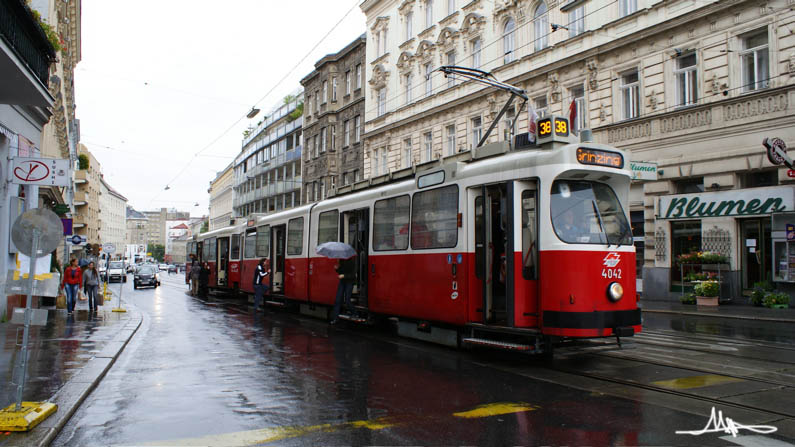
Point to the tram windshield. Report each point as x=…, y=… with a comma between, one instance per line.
x=586, y=212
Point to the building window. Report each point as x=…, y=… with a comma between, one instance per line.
x=358, y=76
x=755, y=61
x=577, y=21
x=508, y=120
x=409, y=19
x=378, y=44
x=685, y=239
x=374, y=162
x=450, y=146
x=346, y=133
x=428, y=153
x=428, y=13
x=381, y=101
x=407, y=152
x=757, y=179
x=407, y=85
x=578, y=96
x=356, y=175
x=686, y=80
x=384, y=160
x=322, y=140
x=627, y=7
x=477, y=131
x=334, y=89
x=348, y=82
x=428, y=83
x=317, y=101
x=541, y=26
x=476, y=46
x=333, y=138
x=630, y=98
x=357, y=131
x=316, y=148
x=450, y=61
x=325, y=92
x=508, y=41
x=541, y=106
x=689, y=185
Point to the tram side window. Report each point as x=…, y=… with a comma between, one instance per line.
x=235, y=247
x=529, y=242
x=295, y=236
x=434, y=217
x=206, y=250
x=327, y=227
x=213, y=245
x=263, y=241
x=250, y=247
x=391, y=224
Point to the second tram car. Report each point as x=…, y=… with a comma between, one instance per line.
x=494, y=247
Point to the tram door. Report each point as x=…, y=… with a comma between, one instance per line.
x=278, y=234
x=504, y=221
x=356, y=233
x=222, y=261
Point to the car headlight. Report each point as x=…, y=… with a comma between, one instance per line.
x=615, y=292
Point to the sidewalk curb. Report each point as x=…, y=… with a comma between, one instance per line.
x=79, y=387
x=705, y=314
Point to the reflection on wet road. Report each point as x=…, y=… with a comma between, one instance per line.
x=211, y=373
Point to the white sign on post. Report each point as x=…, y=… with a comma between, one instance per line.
x=109, y=248
x=40, y=171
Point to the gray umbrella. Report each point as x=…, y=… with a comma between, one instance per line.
x=335, y=250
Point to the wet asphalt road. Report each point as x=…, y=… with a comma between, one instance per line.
x=211, y=373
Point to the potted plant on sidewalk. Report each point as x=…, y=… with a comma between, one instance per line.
x=761, y=288
x=776, y=300
x=707, y=293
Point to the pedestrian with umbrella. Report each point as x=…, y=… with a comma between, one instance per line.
x=346, y=270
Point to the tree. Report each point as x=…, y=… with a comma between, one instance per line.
x=205, y=226
x=158, y=252
x=83, y=161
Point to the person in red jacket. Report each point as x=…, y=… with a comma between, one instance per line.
x=72, y=280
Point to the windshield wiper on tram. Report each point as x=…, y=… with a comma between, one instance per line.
x=601, y=224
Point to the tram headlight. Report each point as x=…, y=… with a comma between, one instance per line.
x=615, y=292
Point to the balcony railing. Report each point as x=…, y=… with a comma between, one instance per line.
x=20, y=30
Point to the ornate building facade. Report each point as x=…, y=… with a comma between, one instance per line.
x=333, y=119
x=691, y=88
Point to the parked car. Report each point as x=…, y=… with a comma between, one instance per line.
x=146, y=275
x=130, y=268
x=116, y=271
x=172, y=268
x=163, y=267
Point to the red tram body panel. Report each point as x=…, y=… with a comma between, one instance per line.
x=511, y=250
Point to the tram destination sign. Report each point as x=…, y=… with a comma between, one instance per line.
x=746, y=202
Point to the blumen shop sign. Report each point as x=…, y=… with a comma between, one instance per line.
x=745, y=202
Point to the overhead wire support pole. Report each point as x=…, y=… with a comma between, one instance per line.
x=488, y=79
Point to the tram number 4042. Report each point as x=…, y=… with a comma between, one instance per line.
x=611, y=273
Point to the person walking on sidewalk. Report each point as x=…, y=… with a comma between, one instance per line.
x=259, y=282
x=72, y=279
x=195, y=271
x=90, y=285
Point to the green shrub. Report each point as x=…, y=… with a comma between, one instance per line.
x=707, y=288
x=688, y=298
x=713, y=258
x=773, y=298
x=759, y=291
x=82, y=161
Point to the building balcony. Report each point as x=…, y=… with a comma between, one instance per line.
x=81, y=176
x=80, y=198
x=25, y=57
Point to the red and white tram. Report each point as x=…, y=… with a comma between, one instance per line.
x=495, y=247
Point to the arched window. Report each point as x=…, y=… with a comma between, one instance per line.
x=509, y=41
x=541, y=27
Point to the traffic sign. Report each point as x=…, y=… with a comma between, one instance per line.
x=109, y=248
x=76, y=239
x=40, y=171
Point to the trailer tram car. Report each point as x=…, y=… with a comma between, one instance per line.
x=495, y=247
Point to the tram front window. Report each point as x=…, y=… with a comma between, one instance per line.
x=588, y=213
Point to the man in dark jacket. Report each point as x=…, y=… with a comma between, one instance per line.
x=346, y=269
x=204, y=280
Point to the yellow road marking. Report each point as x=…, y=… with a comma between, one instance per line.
x=686, y=383
x=273, y=434
x=495, y=409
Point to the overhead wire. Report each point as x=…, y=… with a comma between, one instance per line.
x=295, y=67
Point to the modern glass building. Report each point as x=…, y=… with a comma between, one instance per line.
x=268, y=168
